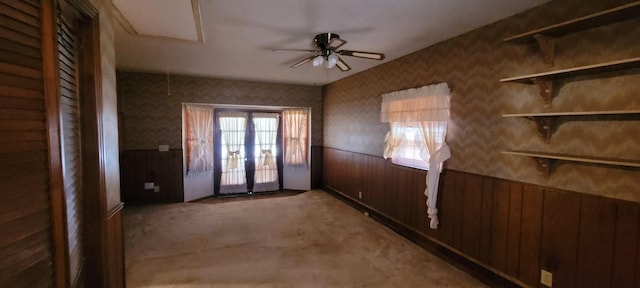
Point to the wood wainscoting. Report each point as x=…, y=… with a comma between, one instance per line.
x=164, y=169
x=511, y=228
x=316, y=167
x=115, y=248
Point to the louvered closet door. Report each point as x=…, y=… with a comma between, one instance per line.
x=25, y=224
x=71, y=151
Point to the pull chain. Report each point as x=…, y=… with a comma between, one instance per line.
x=168, y=84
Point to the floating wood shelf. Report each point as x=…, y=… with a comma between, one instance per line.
x=545, y=80
x=545, y=37
x=544, y=160
x=577, y=71
x=584, y=113
x=621, y=13
x=544, y=121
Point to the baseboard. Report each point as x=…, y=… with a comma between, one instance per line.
x=115, y=210
x=484, y=274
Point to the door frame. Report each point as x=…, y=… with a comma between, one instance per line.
x=93, y=152
x=217, y=160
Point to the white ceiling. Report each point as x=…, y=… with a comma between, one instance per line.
x=240, y=34
x=169, y=18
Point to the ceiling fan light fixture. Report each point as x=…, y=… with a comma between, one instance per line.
x=318, y=61
x=332, y=60
x=326, y=45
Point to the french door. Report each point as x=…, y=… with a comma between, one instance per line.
x=247, y=152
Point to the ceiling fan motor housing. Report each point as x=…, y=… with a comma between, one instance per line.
x=322, y=40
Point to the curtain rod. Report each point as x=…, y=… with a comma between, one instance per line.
x=245, y=106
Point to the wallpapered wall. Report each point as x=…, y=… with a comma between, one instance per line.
x=472, y=65
x=150, y=117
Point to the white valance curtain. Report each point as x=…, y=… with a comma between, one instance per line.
x=199, y=138
x=295, y=136
x=427, y=107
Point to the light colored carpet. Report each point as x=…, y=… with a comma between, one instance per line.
x=306, y=240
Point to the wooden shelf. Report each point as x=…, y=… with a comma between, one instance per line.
x=577, y=71
x=544, y=160
x=585, y=113
x=545, y=36
x=544, y=121
x=625, y=12
x=545, y=80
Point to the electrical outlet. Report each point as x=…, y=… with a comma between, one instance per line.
x=360, y=194
x=163, y=148
x=156, y=188
x=546, y=278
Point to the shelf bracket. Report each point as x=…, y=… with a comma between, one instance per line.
x=546, y=90
x=544, y=127
x=547, y=47
x=544, y=166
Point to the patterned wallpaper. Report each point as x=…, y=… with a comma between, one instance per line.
x=150, y=116
x=472, y=65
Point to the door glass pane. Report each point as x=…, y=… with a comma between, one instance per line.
x=266, y=170
x=233, y=130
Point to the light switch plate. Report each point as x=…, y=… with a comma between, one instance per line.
x=156, y=189
x=546, y=278
x=148, y=185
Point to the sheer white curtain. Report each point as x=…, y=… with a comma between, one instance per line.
x=394, y=139
x=295, y=136
x=199, y=138
x=266, y=131
x=428, y=106
x=233, y=128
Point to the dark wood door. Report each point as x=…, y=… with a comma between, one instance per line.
x=25, y=223
x=70, y=122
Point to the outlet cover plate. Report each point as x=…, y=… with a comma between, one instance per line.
x=546, y=278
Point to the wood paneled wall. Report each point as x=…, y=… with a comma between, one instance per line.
x=115, y=249
x=509, y=227
x=166, y=169
x=162, y=168
x=316, y=167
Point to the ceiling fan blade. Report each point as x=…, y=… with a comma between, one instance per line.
x=342, y=66
x=336, y=43
x=362, y=54
x=302, y=62
x=293, y=50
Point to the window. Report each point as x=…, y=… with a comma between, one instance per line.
x=199, y=138
x=296, y=123
x=408, y=152
x=417, y=129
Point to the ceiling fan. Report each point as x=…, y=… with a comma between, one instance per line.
x=326, y=50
